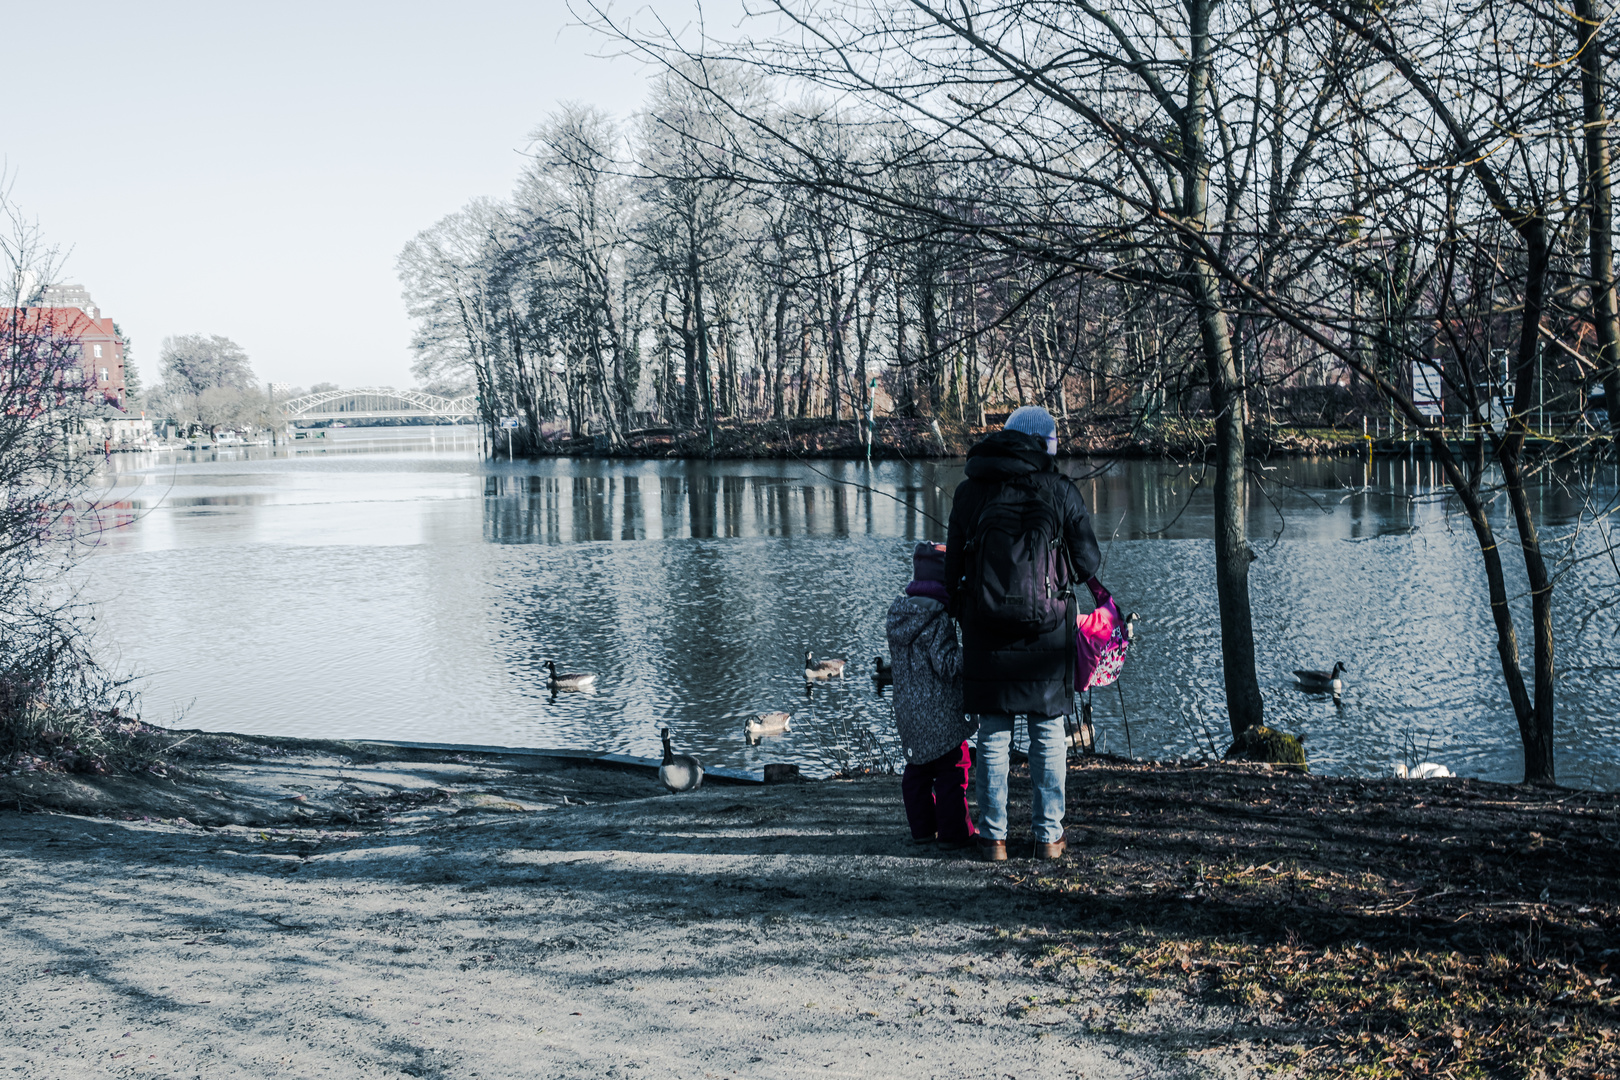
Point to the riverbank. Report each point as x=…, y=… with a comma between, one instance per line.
x=910, y=439
x=302, y=908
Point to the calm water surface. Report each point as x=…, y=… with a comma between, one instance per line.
x=406, y=589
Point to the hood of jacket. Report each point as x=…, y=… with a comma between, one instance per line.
x=909, y=616
x=1003, y=455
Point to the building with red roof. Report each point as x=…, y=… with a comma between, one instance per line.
x=67, y=314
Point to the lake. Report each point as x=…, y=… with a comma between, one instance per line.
x=390, y=584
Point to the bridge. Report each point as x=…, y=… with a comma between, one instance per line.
x=378, y=403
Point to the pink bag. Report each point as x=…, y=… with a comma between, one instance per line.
x=1099, y=642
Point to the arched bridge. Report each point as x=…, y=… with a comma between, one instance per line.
x=378, y=403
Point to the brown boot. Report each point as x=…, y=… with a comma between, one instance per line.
x=992, y=850
x=1053, y=850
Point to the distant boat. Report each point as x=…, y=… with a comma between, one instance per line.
x=229, y=438
x=340, y=424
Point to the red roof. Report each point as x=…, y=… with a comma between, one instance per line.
x=65, y=322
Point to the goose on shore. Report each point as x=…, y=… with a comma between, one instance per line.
x=821, y=669
x=769, y=723
x=882, y=671
x=569, y=680
x=679, y=772
x=1321, y=682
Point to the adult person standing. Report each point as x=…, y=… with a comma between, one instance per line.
x=1018, y=541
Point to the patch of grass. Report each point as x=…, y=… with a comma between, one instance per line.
x=1453, y=929
x=91, y=741
x=1409, y=1012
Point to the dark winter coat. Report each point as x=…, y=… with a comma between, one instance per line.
x=1033, y=675
x=927, y=679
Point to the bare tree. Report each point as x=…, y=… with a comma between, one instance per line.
x=56, y=700
x=446, y=272
x=573, y=209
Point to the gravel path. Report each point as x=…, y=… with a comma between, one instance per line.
x=745, y=932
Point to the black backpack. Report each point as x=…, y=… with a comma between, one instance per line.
x=1019, y=580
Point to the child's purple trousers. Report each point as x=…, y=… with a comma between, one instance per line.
x=935, y=794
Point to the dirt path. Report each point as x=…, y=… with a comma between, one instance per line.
x=281, y=908
x=760, y=932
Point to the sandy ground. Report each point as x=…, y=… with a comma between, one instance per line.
x=435, y=917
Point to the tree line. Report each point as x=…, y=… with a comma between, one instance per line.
x=208, y=385
x=1229, y=214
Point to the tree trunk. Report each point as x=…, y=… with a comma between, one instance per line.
x=704, y=373
x=689, y=337
x=804, y=372
x=1605, y=311
x=1535, y=728
x=1233, y=555
x=930, y=341
x=1536, y=721
x=667, y=399
x=906, y=405
x=779, y=347
x=835, y=338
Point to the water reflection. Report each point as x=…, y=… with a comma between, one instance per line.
x=705, y=501
x=417, y=595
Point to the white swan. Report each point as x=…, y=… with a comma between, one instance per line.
x=1426, y=771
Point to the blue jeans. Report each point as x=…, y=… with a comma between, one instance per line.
x=1048, y=769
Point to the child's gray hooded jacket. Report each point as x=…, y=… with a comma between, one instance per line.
x=927, y=679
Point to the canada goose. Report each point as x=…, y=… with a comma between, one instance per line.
x=1130, y=626
x=822, y=669
x=679, y=772
x=573, y=680
x=770, y=723
x=1321, y=682
x=1426, y=771
x=882, y=671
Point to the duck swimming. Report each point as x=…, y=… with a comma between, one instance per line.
x=770, y=723
x=1320, y=681
x=572, y=680
x=882, y=671
x=816, y=670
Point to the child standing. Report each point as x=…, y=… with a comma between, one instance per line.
x=928, y=705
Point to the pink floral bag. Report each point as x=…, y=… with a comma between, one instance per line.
x=1100, y=642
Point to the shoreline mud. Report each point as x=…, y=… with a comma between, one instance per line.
x=288, y=907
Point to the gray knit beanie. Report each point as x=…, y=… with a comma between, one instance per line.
x=1034, y=420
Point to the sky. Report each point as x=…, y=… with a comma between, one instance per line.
x=252, y=170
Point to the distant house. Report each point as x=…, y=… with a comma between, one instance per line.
x=118, y=428
x=66, y=312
